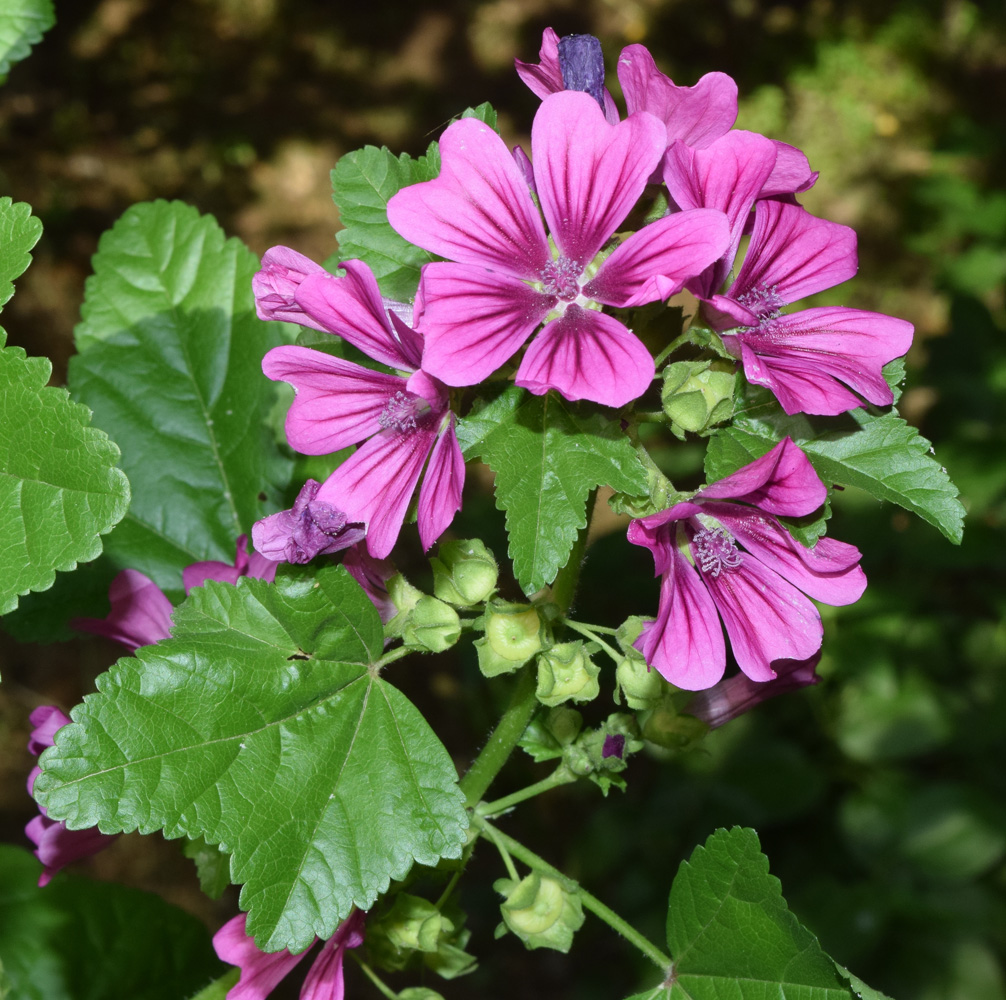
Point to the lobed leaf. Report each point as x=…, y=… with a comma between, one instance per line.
x=548, y=454
x=22, y=24
x=19, y=232
x=879, y=453
x=261, y=726
x=170, y=363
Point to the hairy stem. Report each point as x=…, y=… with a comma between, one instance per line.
x=562, y=775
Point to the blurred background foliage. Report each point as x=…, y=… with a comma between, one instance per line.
x=879, y=794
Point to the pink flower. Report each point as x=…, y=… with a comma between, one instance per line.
x=55, y=845
x=823, y=360
x=724, y=554
x=403, y=421
x=140, y=612
x=739, y=694
x=503, y=280
x=310, y=528
x=262, y=971
x=373, y=576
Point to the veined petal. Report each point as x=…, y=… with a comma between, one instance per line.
x=338, y=403
x=261, y=971
x=808, y=358
x=792, y=254
x=589, y=173
x=782, y=482
x=652, y=532
x=46, y=721
x=726, y=175
x=376, y=483
x=766, y=618
x=545, y=76
x=696, y=115
x=140, y=612
x=685, y=643
x=828, y=571
x=324, y=980
x=274, y=285
x=654, y=263
x=440, y=494
x=479, y=210
x=352, y=307
x=475, y=320
x=791, y=173
x=585, y=354
x=56, y=846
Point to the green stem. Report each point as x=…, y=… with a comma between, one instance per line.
x=562, y=775
x=385, y=989
x=590, y=902
x=682, y=338
x=493, y=836
x=393, y=654
x=588, y=631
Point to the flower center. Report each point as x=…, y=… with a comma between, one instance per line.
x=400, y=412
x=716, y=551
x=559, y=278
x=763, y=301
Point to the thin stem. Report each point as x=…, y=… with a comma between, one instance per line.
x=682, y=338
x=376, y=979
x=562, y=775
x=588, y=631
x=590, y=902
x=493, y=836
x=393, y=654
x=449, y=888
x=604, y=629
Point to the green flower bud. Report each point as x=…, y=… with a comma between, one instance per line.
x=698, y=394
x=464, y=573
x=566, y=673
x=641, y=686
x=404, y=597
x=432, y=625
x=514, y=633
x=419, y=993
x=539, y=911
x=667, y=728
x=412, y=924
x=564, y=724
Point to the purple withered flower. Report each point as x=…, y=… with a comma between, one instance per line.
x=262, y=971
x=820, y=360
x=401, y=422
x=736, y=695
x=724, y=554
x=310, y=528
x=503, y=281
x=55, y=845
x=614, y=746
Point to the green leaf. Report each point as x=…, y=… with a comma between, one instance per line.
x=212, y=866
x=878, y=453
x=82, y=940
x=859, y=988
x=263, y=726
x=59, y=488
x=19, y=232
x=362, y=183
x=22, y=24
x=170, y=363
x=731, y=933
x=548, y=454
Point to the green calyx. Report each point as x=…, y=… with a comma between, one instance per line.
x=464, y=573
x=432, y=626
x=514, y=633
x=566, y=673
x=696, y=395
x=539, y=911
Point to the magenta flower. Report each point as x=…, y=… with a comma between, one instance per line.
x=505, y=281
x=262, y=971
x=55, y=845
x=724, y=554
x=820, y=360
x=403, y=422
x=310, y=528
x=739, y=694
x=373, y=576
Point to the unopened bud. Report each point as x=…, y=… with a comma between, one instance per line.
x=514, y=633
x=640, y=685
x=667, y=728
x=412, y=924
x=566, y=673
x=432, y=625
x=539, y=911
x=698, y=394
x=464, y=572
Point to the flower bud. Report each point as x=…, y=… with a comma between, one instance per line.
x=698, y=394
x=464, y=573
x=514, y=633
x=412, y=924
x=432, y=625
x=539, y=911
x=640, y=685
x=667, y=728
x=566, y=673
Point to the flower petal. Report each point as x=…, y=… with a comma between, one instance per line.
x=782, y=482
x=791, y=173
x=589, y=174
x=275, y=285
x=685, y=643
x=766, y=618
x=440, y=494
x=654, y=263
x=828, y=571
x=338, y=403
x=140, y=613
x=46, y=721
x=478, y=210
x=543, y=77
x=351, y=306
x=261, y=971
x=373, y=576
x=475, y=320
x=808, y=358
x=696, y=115
x=792, y=254
x=56, y=846
x=325, y=979
x=374, y=486
x=587, y=355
